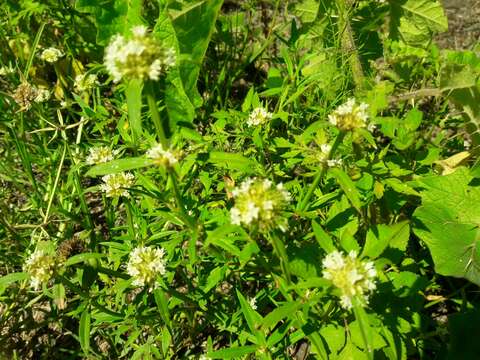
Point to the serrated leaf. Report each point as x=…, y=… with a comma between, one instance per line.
x=414, y=21
x=449, y=221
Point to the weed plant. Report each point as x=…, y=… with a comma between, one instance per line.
x=251, y=179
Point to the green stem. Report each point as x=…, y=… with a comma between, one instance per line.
x=348, y=42
x=152, y=105
x=303, y=205
x=179, y=199
x=361, y=317
x=280, y=250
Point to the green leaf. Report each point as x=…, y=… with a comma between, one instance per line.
x=251, y=316
x=323, y=239
x=116, y=166
x=234, y=352
x=232, y=161
x=379, y=237
x=112, y=16
x=134, y=105
x=162, y=304
x=75, y=259
x=448, y=222
x=215, y=276
x=178, y=104
x=11, y=278
x=84, y=331
x=348, y=188
x=414, y=21
x=194, y=27
x=285, y=311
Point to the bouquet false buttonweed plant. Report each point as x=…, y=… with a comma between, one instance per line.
x=237, y=180
x=139, y=56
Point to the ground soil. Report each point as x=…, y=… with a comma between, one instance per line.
x=464, y=24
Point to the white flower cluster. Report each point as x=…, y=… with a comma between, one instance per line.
x=42, y=95
x=350, y=116
x=25, y=94
x=138, y=57
x=260, y=202
x=6, y=70
x=99, y=155
x=40, y=267
x=115, y=185
x=51, y=55
x=354, y=278
x=145, y=264
x=162, y=156
x=324, y=154
x=258, y=116
x=84, y=82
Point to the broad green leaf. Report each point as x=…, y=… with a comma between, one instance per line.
x=334, y=336
x=84, y=331
x=307, y=10
x=193, y=27
x=178, y=105
x=448, y=222
x=414, y=21
x=381, y=236
x=134, y=105
x=116, y=166
x=348, y=187
x=11, y=278
x=234, y=352
x=112, y=16
x=351, y=352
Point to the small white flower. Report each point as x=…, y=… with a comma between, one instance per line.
x=6, y=70
x=115, y=185
x=40, y=266
x=145, y=264
x=253, y=303
x=354, y=278
x=334, y=162
x=162, y=156
x=51, y=55
x=140, y=56
x=259, y=116
x=350, y=116
x=259, y=202
x=84, y=82
x=42, y=95
x=99, y=155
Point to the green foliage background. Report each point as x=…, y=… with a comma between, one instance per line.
x=404, y=197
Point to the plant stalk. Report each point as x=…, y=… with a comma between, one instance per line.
x=303, y=205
